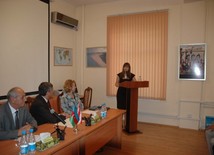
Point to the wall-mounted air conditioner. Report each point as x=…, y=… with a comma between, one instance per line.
x=57, y=17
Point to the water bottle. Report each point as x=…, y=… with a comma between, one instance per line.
x=103, y=111
x=23, y=144
x=31, y=143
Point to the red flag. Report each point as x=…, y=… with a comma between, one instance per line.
x=79, y=114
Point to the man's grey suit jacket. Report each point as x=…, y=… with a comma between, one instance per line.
x=7, y=126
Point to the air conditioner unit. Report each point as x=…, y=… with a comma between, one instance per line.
x=57, y=17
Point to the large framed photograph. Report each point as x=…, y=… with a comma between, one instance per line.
x=192, y=61
x=96, y=56
x=62, y=56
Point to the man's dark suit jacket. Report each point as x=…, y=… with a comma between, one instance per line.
x=41, y=112
x=7, y=127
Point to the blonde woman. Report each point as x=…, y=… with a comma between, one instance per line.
x=70, y=98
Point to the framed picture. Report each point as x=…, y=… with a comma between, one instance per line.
x=96, y=57
x=192, y=61
x=62, y=56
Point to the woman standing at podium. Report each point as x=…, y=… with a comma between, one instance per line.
x=123, y=94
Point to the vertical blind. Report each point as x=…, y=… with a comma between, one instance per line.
x=141, y=40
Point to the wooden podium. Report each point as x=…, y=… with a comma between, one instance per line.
x=132, y=105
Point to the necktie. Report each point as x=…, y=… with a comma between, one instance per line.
x=17, y=119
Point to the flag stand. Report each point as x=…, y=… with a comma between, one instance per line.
x=75, y=128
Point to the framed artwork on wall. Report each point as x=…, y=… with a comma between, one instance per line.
x=192, y=62
x=62, y=56
x=96, y=57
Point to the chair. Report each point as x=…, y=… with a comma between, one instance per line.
x=59, y=103
x=29, y=101
x=87, y=98
x=55, y=103
x=2, y=102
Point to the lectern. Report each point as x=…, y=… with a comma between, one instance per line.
x=132, y=105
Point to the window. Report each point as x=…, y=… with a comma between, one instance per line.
x=141, y=40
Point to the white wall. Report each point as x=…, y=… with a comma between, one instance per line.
x=62, y=36
x=188, y=23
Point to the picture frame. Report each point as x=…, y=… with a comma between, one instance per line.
x=192, y=61
x=96, y=57
x=62, y=56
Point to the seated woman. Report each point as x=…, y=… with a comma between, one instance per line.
x=70, y=97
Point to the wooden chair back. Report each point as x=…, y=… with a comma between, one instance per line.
x=29, y=101
x=2, y=102
x=59, y=103
x=87, y=98
x=55, y=103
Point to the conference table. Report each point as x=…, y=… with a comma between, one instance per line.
x=86, y=141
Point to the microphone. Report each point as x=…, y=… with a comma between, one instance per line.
x=55, y=114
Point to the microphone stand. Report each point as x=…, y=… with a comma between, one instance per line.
x=60, y=133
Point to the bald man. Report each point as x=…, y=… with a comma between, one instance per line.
x=11, y=126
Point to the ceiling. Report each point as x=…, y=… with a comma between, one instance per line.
x=86, y=2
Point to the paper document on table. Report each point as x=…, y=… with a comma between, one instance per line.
x=87, y=111
x=68, y=124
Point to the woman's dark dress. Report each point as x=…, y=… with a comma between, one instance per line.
x=123, y=94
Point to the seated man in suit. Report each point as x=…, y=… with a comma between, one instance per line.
x=41, y=109
x=14, y=116
x=210, y=138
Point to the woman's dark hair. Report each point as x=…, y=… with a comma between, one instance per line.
x=128, y=73
x=44, y=87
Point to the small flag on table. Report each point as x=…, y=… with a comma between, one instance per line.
x=76, y=116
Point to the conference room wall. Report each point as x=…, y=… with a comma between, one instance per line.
x=188, y=23
x=62, y=36
x=182, y=106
